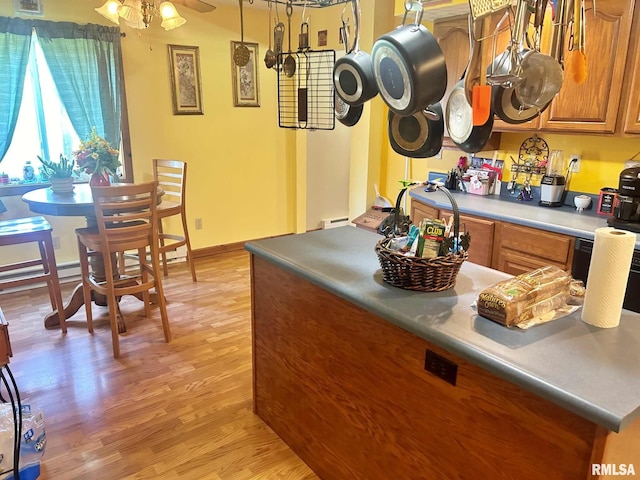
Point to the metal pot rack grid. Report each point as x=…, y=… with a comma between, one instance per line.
x=305, y=99
x=311, y=3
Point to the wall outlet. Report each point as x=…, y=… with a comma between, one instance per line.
x=198, y=224
x=575, y=166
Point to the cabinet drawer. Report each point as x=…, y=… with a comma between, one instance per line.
x=546, y=246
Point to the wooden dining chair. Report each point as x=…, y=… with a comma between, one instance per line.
x=126, y=217
x=37, y=230
x=171, y=176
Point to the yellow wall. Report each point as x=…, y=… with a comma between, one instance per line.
x=243, y=178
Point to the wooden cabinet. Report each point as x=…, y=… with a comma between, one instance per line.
x=481, y=231
x=420, y=211
x=504, y=246
x=593, y=106
x=452, y=35
x=519, y=249
x=632, y=112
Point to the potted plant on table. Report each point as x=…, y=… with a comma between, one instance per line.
x=98, y=158
x=59, y=174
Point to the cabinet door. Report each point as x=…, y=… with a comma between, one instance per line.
x=632, y=118
x=593, y=106
x=420, y=211
x=481, y=232
x=453, y=36
x=520, y=249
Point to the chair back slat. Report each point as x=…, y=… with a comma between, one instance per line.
x=126, y=215
x=171, y=176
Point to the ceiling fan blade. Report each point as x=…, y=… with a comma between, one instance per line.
x=197, y=5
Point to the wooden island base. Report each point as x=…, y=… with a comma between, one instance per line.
x=349, y=393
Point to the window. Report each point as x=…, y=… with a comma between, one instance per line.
x=43, y=126
x=58, y=107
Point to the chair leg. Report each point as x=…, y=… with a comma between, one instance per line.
x=188, y=245
x=144, y=274
x=163, y=252
x=47, y=271
x=54, y=281
x=162, y=303
x=86, y=288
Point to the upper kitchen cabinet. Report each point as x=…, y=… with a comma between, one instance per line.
x=632, y=111
x=593, y=106
x=452, y=34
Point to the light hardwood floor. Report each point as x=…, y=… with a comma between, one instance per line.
x=162, y=411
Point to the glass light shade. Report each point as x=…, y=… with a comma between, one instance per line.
x=110, y=10
x=131, y=13
x=170, y=16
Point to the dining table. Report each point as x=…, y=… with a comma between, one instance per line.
x=77, y=203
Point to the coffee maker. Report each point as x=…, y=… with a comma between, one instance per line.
x=553, y=184
x=626, y=213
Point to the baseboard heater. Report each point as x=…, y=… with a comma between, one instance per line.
x=335, y=222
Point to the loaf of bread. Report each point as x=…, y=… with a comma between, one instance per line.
x=526, y=296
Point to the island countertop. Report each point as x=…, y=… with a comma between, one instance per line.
x=565, y=219
x=590, y=371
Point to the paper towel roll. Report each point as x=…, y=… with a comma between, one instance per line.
x=608, y=275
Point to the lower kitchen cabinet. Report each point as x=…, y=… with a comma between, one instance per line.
x=519, y=249
x=504, y=246
x=482, y=233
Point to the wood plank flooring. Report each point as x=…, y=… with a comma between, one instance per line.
x=162, y=411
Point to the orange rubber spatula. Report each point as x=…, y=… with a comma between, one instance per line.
x=481, y=97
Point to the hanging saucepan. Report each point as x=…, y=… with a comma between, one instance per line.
x=409, y=66
x=346, y=114
x=353, y=73
x=418, y=135
x=504, y=101
x=459, y=121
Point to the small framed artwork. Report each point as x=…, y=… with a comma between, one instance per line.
x=28, y=7
x=186, y=85
x=322, y=38
x=246, y=87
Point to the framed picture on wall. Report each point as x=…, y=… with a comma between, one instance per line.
x=246, y=87
x=28, y=7
x=186, y=85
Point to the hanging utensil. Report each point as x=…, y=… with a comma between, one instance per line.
x=241, y=54
x=577, y=61
x=303, y=37
x=270, y=57
x=289, y=65
x=479, y=10
x=542, y=74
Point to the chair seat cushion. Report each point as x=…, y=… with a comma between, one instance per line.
x=20, y=226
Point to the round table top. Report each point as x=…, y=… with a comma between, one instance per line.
x=77, y=203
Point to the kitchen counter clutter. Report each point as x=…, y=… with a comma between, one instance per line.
x=565, y=220
x=350, y=349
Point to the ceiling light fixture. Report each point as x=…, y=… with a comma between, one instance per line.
x=139, y=13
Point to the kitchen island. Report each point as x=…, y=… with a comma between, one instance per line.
x=340, y=373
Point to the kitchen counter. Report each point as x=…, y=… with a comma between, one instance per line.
x=355, y=375
x=565, y=219
x=590, y=371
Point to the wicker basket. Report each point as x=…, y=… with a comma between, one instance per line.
x=423, y=274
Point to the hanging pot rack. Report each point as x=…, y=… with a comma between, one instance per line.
x=312, y=3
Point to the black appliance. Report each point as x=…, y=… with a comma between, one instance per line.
x=626, y=214
x=580, y=270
